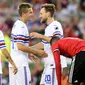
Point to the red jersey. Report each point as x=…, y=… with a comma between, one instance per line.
x=66, y=46
x=69, y=46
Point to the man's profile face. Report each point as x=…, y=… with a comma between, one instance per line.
x=43, y=15
x=28, y=16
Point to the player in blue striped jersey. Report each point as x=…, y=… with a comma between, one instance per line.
x=20, y=47
x=53, y=28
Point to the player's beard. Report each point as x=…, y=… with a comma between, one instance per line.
x=44, y=21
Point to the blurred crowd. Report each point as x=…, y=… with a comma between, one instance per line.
x=71, y=14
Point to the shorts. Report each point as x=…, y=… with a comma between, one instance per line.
x=49, y=76
x=22, y=77
x=77, y=70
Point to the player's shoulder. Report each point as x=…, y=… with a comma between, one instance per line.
x=19, y=24
x=55, y=23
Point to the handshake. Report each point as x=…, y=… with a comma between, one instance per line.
x=38, y=52
x=41, y=53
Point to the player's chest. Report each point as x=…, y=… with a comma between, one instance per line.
x=48, y=32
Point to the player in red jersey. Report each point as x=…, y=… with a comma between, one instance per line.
x=70, y=47
x=73, y=48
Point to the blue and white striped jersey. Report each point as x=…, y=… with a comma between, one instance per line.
x=19, y=34
x=53, y=29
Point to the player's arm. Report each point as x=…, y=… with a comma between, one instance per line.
x=38, y=46
x=7, y=55
x=20, y=37
x=37, y=35
x=56, y=31
x=57, y=63
x=56, y=54
x=34, y=51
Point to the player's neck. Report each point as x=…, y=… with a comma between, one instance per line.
x=23, y=20
x=50, y=20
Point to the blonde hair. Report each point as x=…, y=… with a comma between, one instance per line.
x=23, y=8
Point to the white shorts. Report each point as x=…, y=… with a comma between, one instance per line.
x=22, y=77
x=49, y=76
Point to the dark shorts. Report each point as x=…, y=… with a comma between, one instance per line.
x=77, y=70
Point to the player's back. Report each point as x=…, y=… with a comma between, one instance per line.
x=71, y=46
x=19, y=35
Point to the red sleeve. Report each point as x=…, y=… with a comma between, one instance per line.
x=56, y=54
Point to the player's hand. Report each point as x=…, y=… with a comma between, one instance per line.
x=36, y=35
x=33, y=58
x=15, y=69
x=42, y=53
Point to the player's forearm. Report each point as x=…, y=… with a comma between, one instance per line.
x=38, y=46
x=27, y=49
x=8, y=57
x=46, y=38
x=40, y=36
x=65, y=72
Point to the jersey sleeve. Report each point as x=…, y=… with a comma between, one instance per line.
x=57, y=30
x=2, y=42
x=56, y=54
x=19, y=34
x=44, y=42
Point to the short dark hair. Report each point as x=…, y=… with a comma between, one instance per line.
x=23, y=8
x=53, y=39
x=49, y=8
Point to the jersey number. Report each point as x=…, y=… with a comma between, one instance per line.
x=47, y=78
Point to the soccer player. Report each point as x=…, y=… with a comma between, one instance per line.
x=7, y=55
x=53, y=28
x=73, y=48
x=20, y=48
